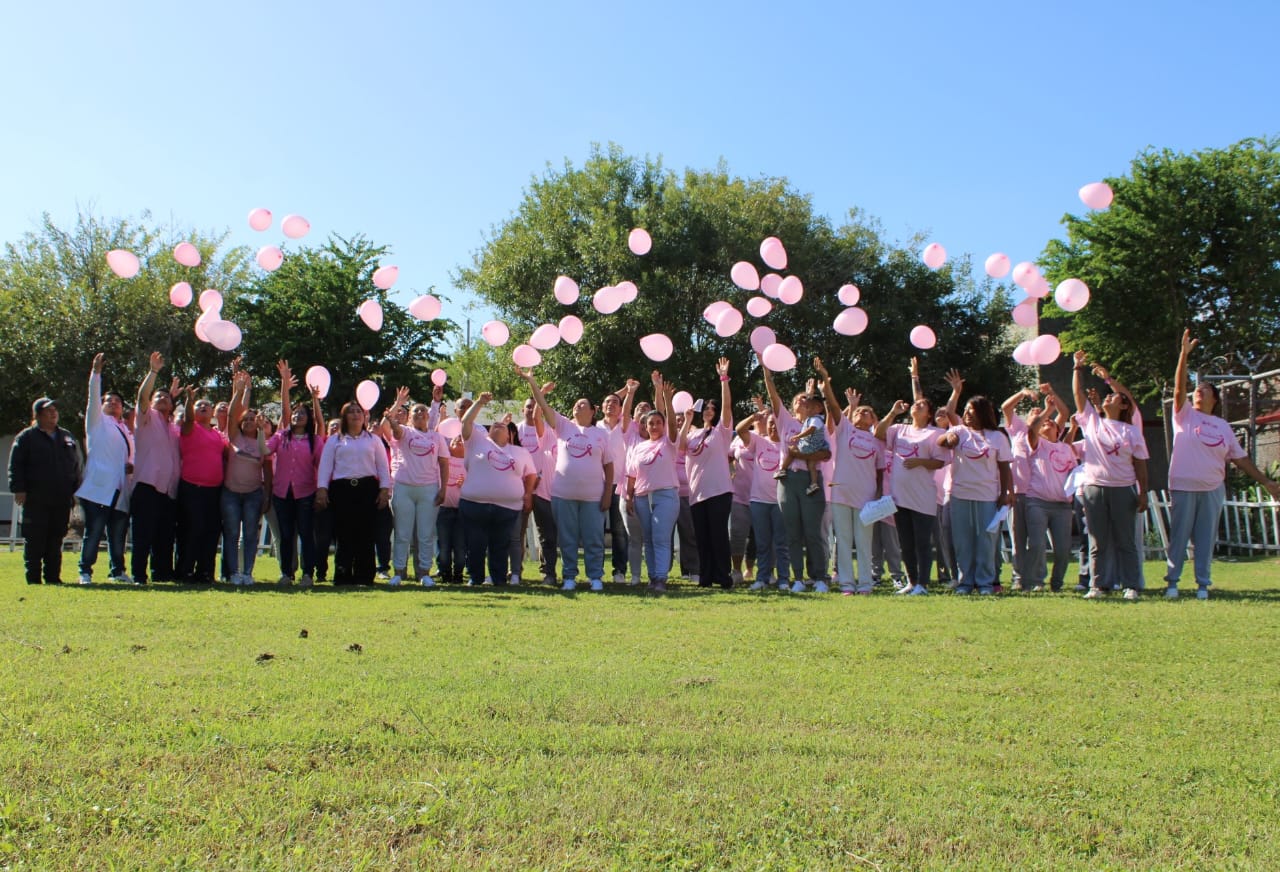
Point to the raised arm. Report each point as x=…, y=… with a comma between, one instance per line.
x=145, y=389
x=239, y=402
x=391, y=417
x=628, y=402
x=744, y=428
x=1010, y=407
x=287, y=383
x=1180, y=374
x=1114, y=383
x=1034, y=420
x=1051, y=398
x=956, y=381
x=775, y=399
x=882, y=428
x=550, y=415
x=682, y=442
x=1080, y=362
x=93, y=411
x=828, y=395
x=726, y=396
x=917, y=392
x=469, y=419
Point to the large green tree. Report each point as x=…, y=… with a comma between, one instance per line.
x=60, y=304
x=1190, y=240
x=576, y=221
x=305, y=312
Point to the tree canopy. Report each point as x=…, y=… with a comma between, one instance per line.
x=1190, y=240
x=576, y=222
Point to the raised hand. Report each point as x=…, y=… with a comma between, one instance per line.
x=954, y=379
x=97, y=362
x=722, y=367
x=1187, y=342
x=157, y=361
x=1080, y=357
x=899, y=406
x=820, y=369
x=402, y=396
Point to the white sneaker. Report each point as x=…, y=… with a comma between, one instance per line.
x=514, y=580
x=394, y=581
x=619, y=578
x=122, y=578
x=488, y=582
x=569, y=584
x=1131, y=594
x=597, y=584
x=1095, y=593
x=798, y=587
x=635, y=580
x=821, y=587
x=382, y=576
x=759, y=585
x=1171, y=592
x=918, y=590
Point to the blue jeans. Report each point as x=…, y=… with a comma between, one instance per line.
x=488, y=531
x=580, y=523
x=414, y=505
x=658, y=511
x=453, y=546
x=773, y=557
x=1195, y=520
x=975, y=547
x=295, y=515
x=240, y=516
x=97, y=520
x=802, y=513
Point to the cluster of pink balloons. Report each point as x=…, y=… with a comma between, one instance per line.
x=1041, y=351
x=222, y=335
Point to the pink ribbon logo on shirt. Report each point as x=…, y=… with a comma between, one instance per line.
x=914, y=451
x=697, y=444
x=1062, y=461
x=648, y=461
x=500, y=461
x=764, y=458
x=1112, y=450
x=1204, y=437
x=870, y=449
x=578, y=447
x=423, y=447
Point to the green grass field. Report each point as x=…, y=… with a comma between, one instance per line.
x=167, y=728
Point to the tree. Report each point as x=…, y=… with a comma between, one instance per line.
x=305, y=312
x=1189, y=240
x=576, y=222
x=60, y=304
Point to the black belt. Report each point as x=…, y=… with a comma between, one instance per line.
x=354, y=482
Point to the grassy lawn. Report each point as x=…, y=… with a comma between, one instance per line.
x=501, y=729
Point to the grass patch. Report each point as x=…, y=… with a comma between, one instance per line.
x=175, y=728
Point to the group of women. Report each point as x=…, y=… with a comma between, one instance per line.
x=462, y=494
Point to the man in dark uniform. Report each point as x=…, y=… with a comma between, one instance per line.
x=44, y=472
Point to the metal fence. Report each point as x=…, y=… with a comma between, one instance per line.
x=1250, y=524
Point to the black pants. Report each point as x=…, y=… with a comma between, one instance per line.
x=488, y=531
x=618, y=535
x=200, y=518
x=322, y=527
x=353, y=502
x=915, y=533
x=383, y=525
x=548, y=544
x=43, y=528
x=154, y=520
x=711, y=530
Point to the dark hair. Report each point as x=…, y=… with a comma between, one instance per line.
x=513, y=433
x=933, y=410
x=613, y=394
x=119, y=396
x=986, y=412
x=311, y=428
x=342, y=417
x=1126, y=408
x=1217, y=395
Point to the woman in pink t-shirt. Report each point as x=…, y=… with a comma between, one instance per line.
x=761, y=455
x=419, y=463
x=1202, y=445
x=706, y=451
x=297, y=447
x=653, y=488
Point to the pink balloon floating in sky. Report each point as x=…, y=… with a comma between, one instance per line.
x=370, y=312
x=761, y=338
x=656, y=346
x=773, y=253
x=1072, y=295
x=1097, y=195
x=270, y=258
x=851, y=322
x=123, y=263
x=180, y=295
x=495, y=333
x=319, y=376
x=922, y=337
x=295, y=226
x=526, y=356
x=639, y=241
x=566, y=290
x=758, y=307
x=546, y=337
x=425, y=308
x=849, y=295
x=997, y=265
x=1025, y=314
x=260, y=219
x=744, y=275
x=934, y=255
x=186, y=254
x=571, y=329
x=385, y=276
x=367, y=393
x=778, y=357
x=439, y=377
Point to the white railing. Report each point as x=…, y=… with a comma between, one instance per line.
x=1250, y=524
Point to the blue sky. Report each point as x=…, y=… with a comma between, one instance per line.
x=420, y=124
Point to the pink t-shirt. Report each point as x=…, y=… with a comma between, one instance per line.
x=914, y=489
x=682, y=474
x=495, y=474
x=296, y=463
x=415, y=457
x=157, y=460
x=1051, y=463
x=707, y=462
x=457, y=475
x=764, y=457
x=617, y=453
x=581, y=455
x=743, y=461
x=543, y=452
x=1020, y=468
x=202, y=456
x=1110, y=447
x=244, y=466
x=857, y=456
x=975, y=470
x=1202, y=445
x=652, y=462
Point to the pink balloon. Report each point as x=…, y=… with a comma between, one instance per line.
x=545, y=337
x=778, y=357
x=681, y=401
x=656, y=346
x=744, y=275
x=773, y=254
x=227, y=337
x=761, y=338
x=1025, y=273
x=639, y=241
x=849, y=295
x=450, y=428
x=123, y=263
x=260, y=219
x=1039, y=288
x=790, y=290
x=627, y=291
x=1025, y=313
x=186, y=254
x=180, y=295
x=385, y=276
x=203, y=323
x=566, y=290
x=997, y=265
x=1045, y=349
x=1096, y=195
x=319, y=376
x=934, y=255
x=712, y=312
x=367, y=393
x=922, y=337
x=526, y=355
x=851, y=322
x=769, y=283
x=370, y=312
x=210, y=300
x=607, y=300
x=495, y=333
x=1022, y=354
x=729, y=322
x=425, y=308
x=571, y=329
x=439, y=376
x=295, y=226
x=758, y=307
x=1072, y=295
x=270, y=258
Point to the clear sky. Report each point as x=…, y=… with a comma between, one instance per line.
x=420, y=124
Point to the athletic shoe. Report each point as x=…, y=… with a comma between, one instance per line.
x=918, y=590
x=695, y=578
x=737, y=578
x=962, y=591
x=488, y=582
x=619, y=578
x=821, y=587
x=382, y=576
x=597, y=584
x=549, y=579
x=284, y=581
x=905, y=589
x=86, y=578
x=798, y=587
x=1016, y=587
x=1131, y=594
x=122, y=578
x=427, y=582
x=953, y=584
x=1202, y=593
x=635, y=580
x=1081, y=588
x=759, y=585
x=985, y=591
x=1039, y=588
x=899, y=583
x=659, y=586
x=569, y=584
x=1095, y=593
x=514, y=581
x=246, y=579
x=305, y=583
x=1171, y=592
x=394, y=581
